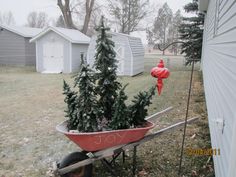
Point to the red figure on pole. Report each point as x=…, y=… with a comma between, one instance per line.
x=160, y=72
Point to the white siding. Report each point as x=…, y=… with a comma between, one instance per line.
x=123, y=41
x=50, y=37
x=219, y=72
x=77, y=49
x=30, y=53
x=12, y=48
x=91, y=51
x=138, y=55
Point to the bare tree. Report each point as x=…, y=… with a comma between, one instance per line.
x=94, y=20
x=159, y=32
x=128, y=13
x=89, y=8
x=173, y=32
x=7, y=18
x=60, y=22
x=68, y=10
x=37, y=20
x=64, y=5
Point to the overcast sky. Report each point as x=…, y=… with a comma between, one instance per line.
x=21, y=8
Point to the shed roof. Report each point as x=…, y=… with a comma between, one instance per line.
x=74, y=36
x=122, y=34
x=22, y=31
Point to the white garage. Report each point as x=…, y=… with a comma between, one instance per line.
x=129, y=53
x=59, y=50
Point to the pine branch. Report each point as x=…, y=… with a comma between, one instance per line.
x=138, y=110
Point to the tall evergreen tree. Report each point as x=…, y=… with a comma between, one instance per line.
x=105, y=64
x=72, y=104
x=138, y=110
x=120, y=119
x=88, y=111
x=191, y=32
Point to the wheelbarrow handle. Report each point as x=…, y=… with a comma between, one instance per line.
x=159, y=114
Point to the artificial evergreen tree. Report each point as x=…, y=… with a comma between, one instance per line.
x=191, y=32
x=106, y=66
x=71, y=100
x=88, y=111
x=120, y=119
x=138, y=110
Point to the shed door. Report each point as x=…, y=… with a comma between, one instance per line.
x=120, y=57
x=53, y=57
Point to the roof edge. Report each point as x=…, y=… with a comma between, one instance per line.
x=122, y=34
x=50, y=28
x=13, y=31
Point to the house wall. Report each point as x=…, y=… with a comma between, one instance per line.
x=53, y=37
x=219, y=74
x=77, y=49
x=12, y=48
x=138, y=55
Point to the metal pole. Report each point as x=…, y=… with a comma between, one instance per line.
x=134, y=160
x=189, y=94
x=186, y=118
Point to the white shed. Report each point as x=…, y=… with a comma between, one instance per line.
x=219, y=74
x=129, y=53
x=60, y=50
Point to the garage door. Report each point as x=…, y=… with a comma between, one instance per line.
x=53, y=57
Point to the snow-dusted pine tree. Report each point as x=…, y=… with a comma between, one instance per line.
x=120, y=119
x=138, y=110
x=106, y=66
x=72, y=104
x=88, y=110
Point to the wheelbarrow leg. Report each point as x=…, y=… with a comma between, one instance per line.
x=114, y=157
x=123, y=157
x=134, y=160
x=108, y=166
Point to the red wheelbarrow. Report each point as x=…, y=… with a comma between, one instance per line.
x=100, y=145
x=95, y=141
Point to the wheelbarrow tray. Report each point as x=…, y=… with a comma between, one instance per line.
x=94, y=141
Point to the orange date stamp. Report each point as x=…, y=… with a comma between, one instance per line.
x=203, y=152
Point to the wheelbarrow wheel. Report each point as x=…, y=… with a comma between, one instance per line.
x=85, y=171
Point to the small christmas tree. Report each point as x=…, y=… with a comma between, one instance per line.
x=138, y=110
x=102, y=106
x=88, y=111
x=120, y=119
x=105, y=64
x=72, y=104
